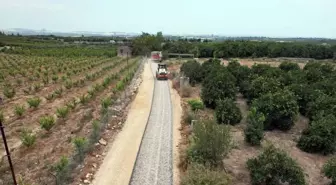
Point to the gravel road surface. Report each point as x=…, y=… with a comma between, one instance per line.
x=154, y=161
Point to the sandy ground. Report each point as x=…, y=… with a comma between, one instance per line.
x=235, y=163
x=177, y=113
x=119, y=161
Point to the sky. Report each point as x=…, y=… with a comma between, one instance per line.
x=271, y=18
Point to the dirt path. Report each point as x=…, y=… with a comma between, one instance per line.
x=118, y=164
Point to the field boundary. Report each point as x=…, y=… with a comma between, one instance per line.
x=143, y=134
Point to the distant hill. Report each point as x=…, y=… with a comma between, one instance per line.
x=24, y=31
x=27, y=32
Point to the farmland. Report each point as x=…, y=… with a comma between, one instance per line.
x=251, y=113
x=246, y=105
x=55, y=103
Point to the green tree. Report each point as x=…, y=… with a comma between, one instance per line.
x=329, y=169
x=280, y=109
x=192, y=69
x=254, y=132
x=218, y=85
x=319, y=137
x=227, y=112
x=146, y=43
x=273, y=166
x=262, y=85
x=289, y=66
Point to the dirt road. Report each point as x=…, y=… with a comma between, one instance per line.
x=119, y=161
x=142, y=154
x=154, y=163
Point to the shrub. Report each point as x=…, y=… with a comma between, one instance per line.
x=80, y=144
x=254, y=131
x=83, y=99
x=196, y=104
x=120, y=85
x=106, y=102
x=88, y=77
x=106, y=82
x=54, y=78
x=319, y=137
x=97, y=87
x=19, y=110
x=329, y=169
x=218, y=85
x=45, y=80
x=9, y=91
x=198, y=174
x=37, y=87
x=189, y=116
x=280, y=109
x=68, y=84
x=192, y=69
x=62, y=112
x=91, y=92
x=227, y=112
x=27, y=138
x=289, y=66
x=72, y=104
x=47, y=122
x=96, y=126
x=210, y=143
x=62, y=170
x=34, y=102
x=273, y=166
x=58, y=92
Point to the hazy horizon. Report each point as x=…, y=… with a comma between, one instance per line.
x=272, y=18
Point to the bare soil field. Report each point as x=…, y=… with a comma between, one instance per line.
x=79, y=85
x=121, y=154
x=274, y=62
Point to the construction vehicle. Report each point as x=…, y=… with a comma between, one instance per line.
x=156, y=56
x=162, y=72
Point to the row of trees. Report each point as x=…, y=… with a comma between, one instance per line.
x=146, y=43
x=229, y=49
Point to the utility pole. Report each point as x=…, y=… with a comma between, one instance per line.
x=7, y=151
